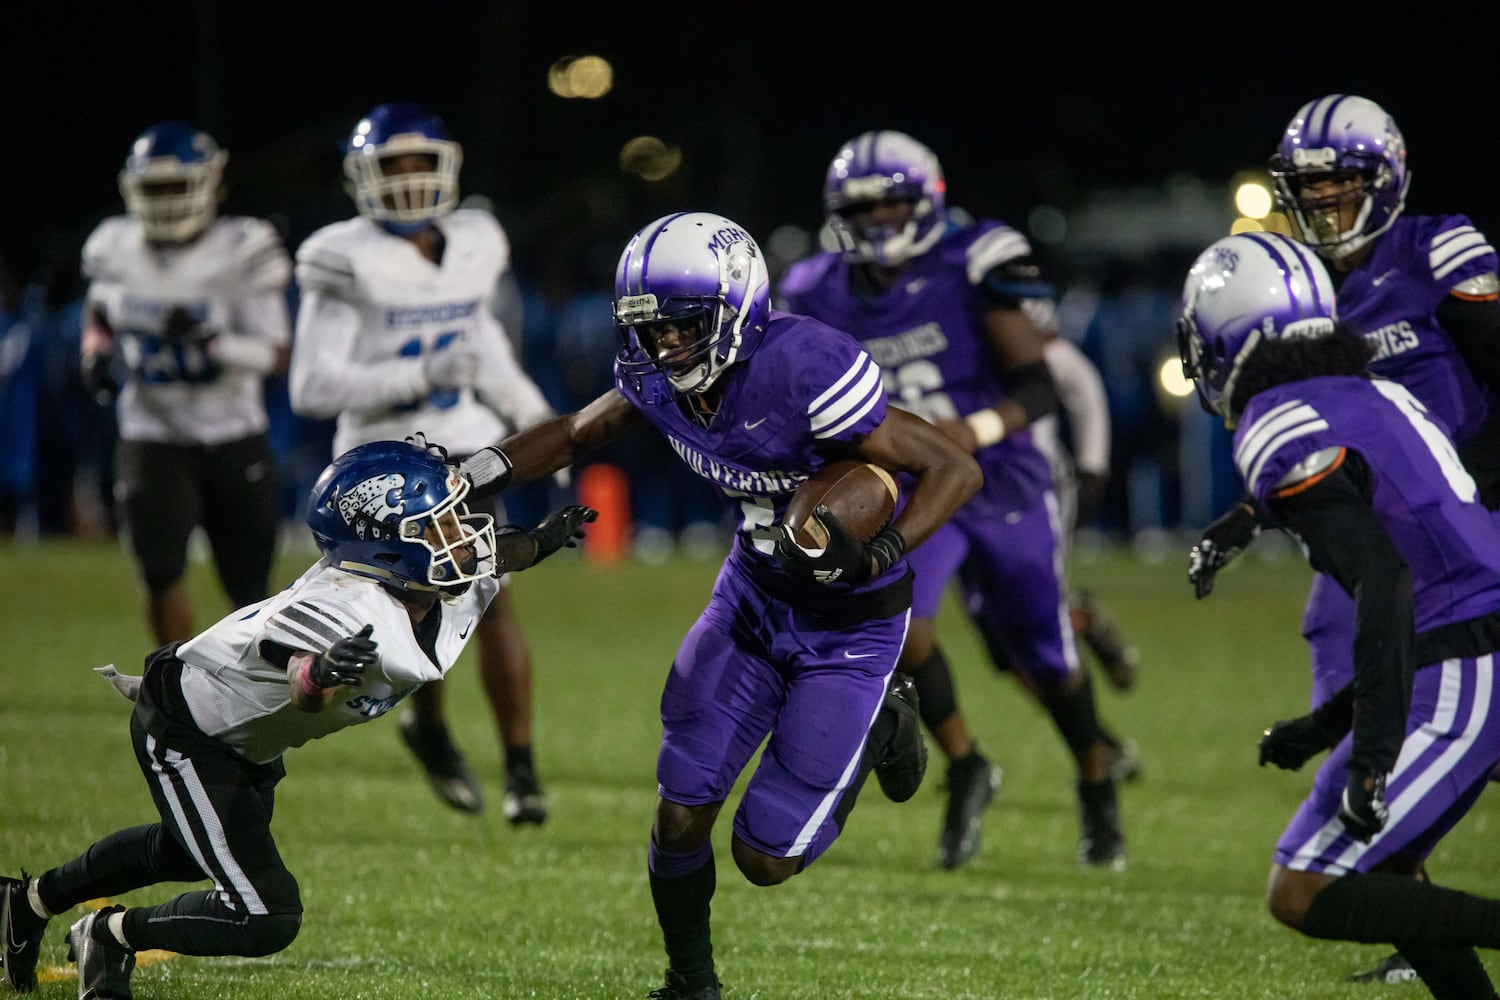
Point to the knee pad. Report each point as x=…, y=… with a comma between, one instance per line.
x=270, y=933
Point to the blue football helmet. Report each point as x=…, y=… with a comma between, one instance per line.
x=1242, y=291
x=170, y=181
x=1341, y=136
x=691, y=267
x=882, y=166
x=384, y=186
x=395, y=513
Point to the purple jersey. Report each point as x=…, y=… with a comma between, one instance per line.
x=1423, y=496
x=810, y=391
x=926, y=332
x=1392, y=299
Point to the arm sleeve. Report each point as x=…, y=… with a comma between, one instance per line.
x=1346, y=539
x=1474, y=326
x=1080, y=390
x=503, y=385
x=325, y=379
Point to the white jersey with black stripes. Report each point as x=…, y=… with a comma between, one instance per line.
x=241, y=698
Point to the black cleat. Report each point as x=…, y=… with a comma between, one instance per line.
x=21, y=930
x=1103, y=638
x=904, y=763
x=1124, y=761
x=104, y=965
x=972, y=783
x=1394, y=968
x=443, y=763
x=523, y=802
x=1102, y=844
x=678, y=989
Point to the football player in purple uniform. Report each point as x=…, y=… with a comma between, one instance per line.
x=406, y=571
x=1422, y=290
x=939, y=305
x=797, y=645
x=395, y=334
x=184, y=318
x=1366, y=478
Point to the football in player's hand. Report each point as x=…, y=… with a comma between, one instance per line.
x=862, y=496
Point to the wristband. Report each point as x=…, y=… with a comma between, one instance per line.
x=299, y=673
x=488, y=469
x=987, y=426
x=886, y=548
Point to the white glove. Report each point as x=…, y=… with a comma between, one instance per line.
x=451, y=368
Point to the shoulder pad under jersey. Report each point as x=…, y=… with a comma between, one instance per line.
x=1311, y=467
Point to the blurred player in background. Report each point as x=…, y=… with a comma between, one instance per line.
x=794, y=645
x=1080, y=475
x=396, y=334
x=184, y=318
x=939, y=305
x=1369, y=483
x=405, y=572
x=1424, y=292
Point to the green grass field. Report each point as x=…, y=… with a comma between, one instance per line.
x=405, y=898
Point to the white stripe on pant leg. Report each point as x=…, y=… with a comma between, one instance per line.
x=815, y=821
x=1060, y=571
x=218, y=843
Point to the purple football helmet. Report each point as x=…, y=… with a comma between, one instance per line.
x=403, y=202
x=1240, y=292
x=170, y=181
x=1348, y=136
x=691, y=267
x=882, y=166
x=395, y=512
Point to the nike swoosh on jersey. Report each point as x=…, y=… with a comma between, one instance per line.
x=465, y=633
x=857, y=656
x=1375, y=283
x=750, y=425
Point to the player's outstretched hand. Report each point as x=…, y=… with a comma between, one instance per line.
x=419, y=440
x=561, y=529
x=1363, y=809
x=346, y=660
x=1221, y=541
x=1291, y=743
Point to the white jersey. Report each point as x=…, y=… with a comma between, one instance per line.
x=232, y=279
x=372, y=305
x=238, y=696
x=1080, y=391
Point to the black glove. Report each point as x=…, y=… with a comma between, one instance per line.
x=345, y=661
x=1363, y=809
x=1091, y=489
x=1293, y=742
x=1221, y=542
x=845, y=559
x=434, y=449
x=561, y=529
x=99, y=378
x=181, y=328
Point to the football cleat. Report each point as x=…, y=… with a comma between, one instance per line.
x=1102, y=636
x=972, y=784
x=1394, y=968
x=676, y=988
x=904, y=762
x=104, y=965
x=523, y=802
x=1124, y=760
x=22, y=930
x=445, y=767
x=1102, y=845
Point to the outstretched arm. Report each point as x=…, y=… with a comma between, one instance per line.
x=543, y=448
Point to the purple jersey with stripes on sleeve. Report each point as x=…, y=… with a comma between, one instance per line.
x=1422, y=494
x=926, y=332
x=810, y=390
x=1392, y=300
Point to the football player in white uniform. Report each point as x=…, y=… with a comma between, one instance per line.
x=406, y=571
x=396, y=335
x=185, y=316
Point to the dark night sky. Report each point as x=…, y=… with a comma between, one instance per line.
x=1024, y=103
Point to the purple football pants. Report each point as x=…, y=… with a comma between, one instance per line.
x=1011, y=578
x=753, y=666
x=1452, y=744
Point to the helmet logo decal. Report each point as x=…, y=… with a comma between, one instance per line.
x=368, y=502
x=727, y=236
